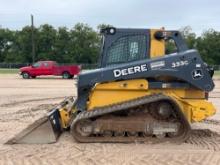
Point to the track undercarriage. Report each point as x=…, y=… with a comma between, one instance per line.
x=152, y=118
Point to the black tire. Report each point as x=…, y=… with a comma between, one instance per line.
x=66, y=75
x=25, y=75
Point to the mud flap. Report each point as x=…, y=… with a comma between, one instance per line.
x=45, y=130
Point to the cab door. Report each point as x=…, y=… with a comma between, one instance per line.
x=36, y=69
x=46, y=68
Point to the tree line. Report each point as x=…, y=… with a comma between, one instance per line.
x=81, y=44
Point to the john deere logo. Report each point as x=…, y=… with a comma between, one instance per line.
x=197, y=74
x=130, y=70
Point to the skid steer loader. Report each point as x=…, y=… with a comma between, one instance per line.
x=138, y=93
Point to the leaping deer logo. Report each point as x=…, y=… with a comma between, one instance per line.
x=197, y=74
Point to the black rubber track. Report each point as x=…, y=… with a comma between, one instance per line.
x=123, y=106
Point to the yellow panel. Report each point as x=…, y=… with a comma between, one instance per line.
x=200, y=108
x=157, y=47
x=191, y=101
x=64, y=117
x=109, y=93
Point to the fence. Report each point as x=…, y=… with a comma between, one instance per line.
x=84, y=66
x=13, y=65
x=216, y=67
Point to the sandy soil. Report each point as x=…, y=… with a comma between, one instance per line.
x=23, y=101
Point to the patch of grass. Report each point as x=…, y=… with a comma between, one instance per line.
x=217, y=73
x=8, y=71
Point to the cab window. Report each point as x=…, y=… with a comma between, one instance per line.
x=126, y=49
x=170, y=46
x=45, y=64
x=36, y=65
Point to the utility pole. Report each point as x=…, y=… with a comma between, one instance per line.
x=32, y=38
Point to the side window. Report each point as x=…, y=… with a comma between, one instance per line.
x=36, y=65
x=127, y=48
x=170, y=46
x=45, y=64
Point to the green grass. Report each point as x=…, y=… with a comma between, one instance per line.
x=217, y=73
x=8, y=71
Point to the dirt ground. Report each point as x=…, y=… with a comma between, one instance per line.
x=23, y=101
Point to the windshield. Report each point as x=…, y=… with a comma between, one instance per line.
x=127, y=48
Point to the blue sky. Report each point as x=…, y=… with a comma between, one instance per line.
x=171, y=14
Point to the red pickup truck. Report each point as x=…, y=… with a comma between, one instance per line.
x=49, y=68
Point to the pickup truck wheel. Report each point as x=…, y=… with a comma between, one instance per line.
x=25, y=75
x=66, y=75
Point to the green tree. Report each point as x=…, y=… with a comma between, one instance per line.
x=102, y=26
x=209, y=46
x=46, y=43
x=61, y=46
x=22, y=46
x=84, y=44
x=6, y=44
x=81, y=44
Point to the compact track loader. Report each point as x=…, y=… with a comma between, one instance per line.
x=138, y=93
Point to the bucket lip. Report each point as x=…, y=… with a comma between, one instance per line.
x=30, y=128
